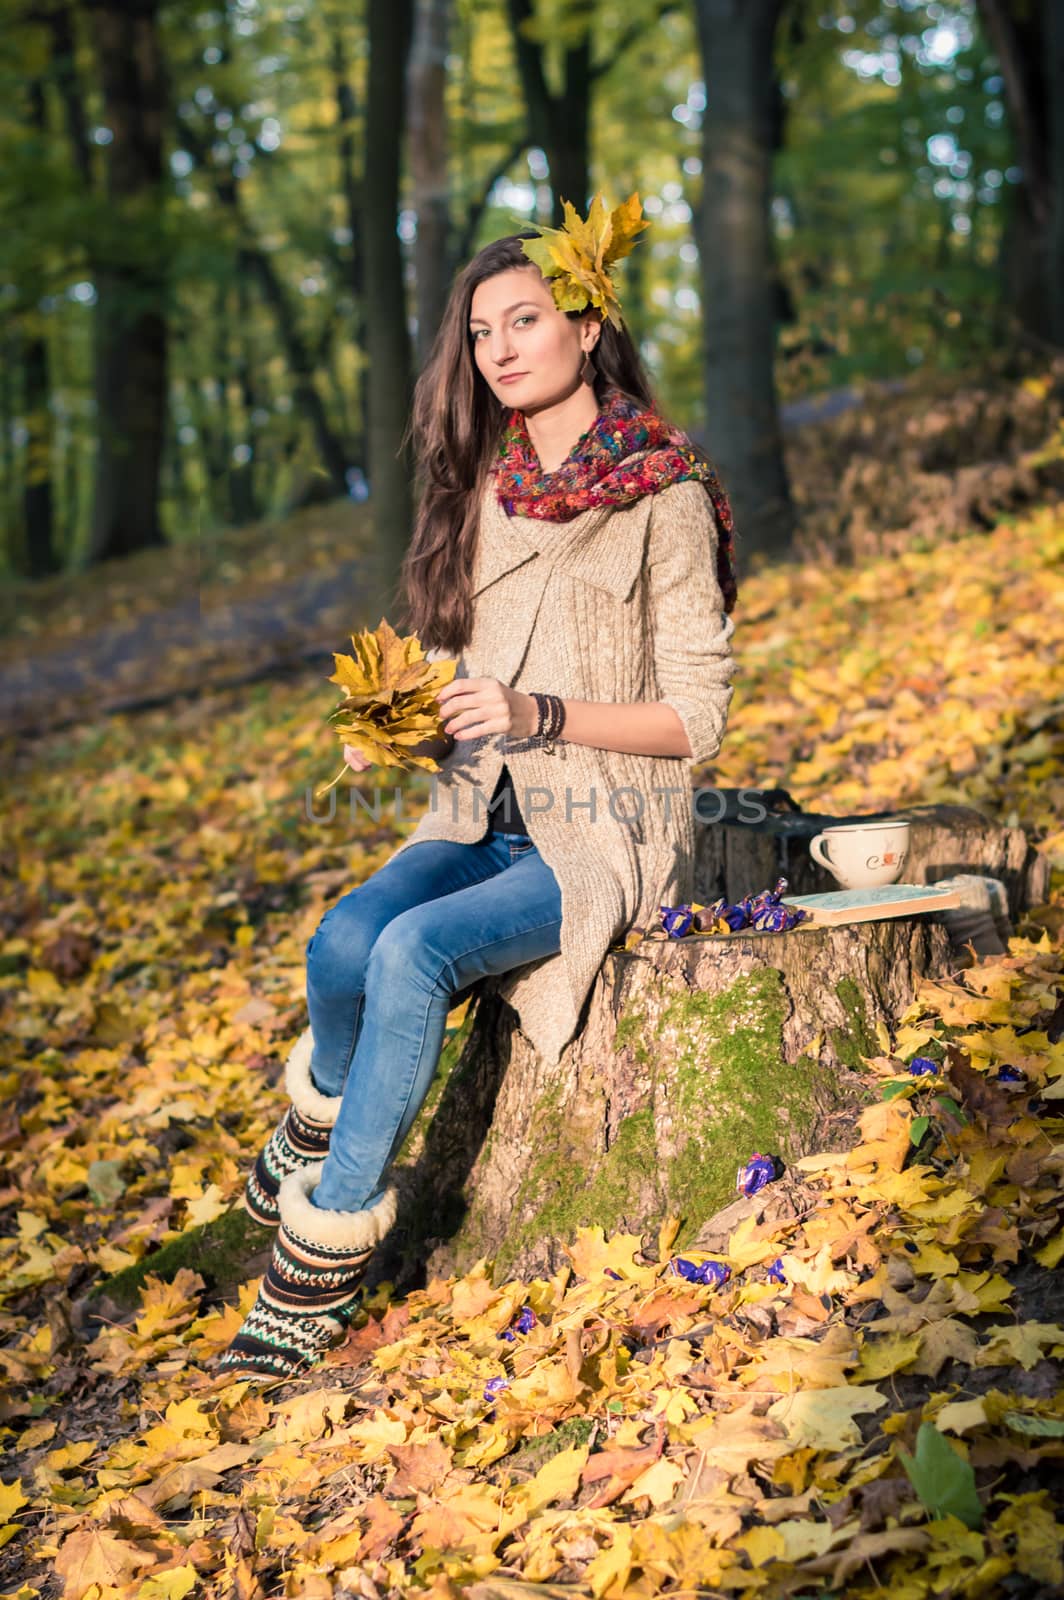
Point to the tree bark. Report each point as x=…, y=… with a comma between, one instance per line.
x=428, y=144
x=738, y=269
x=351, y=188
x=388, y=339
x=696, y=1054
x=1029, y=45
x=130, y=322
x=558, y=123
x=693, y=1054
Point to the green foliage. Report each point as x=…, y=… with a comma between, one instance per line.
x=887, y=253
x=942, y=1478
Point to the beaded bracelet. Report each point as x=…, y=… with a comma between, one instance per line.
x=551, y=719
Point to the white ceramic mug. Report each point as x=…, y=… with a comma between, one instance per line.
x=860, y=855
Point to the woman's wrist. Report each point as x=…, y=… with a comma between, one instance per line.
x=530, y=717
x=551, y=720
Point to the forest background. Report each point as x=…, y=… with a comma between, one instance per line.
x=226, y=232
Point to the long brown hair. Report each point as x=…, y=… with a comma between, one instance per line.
x=456, y=425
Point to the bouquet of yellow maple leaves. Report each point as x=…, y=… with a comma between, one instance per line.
x=389, y=704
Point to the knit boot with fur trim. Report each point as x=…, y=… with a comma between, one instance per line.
x=312, y=1285
x=300, y=1138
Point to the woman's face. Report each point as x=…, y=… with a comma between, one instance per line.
x=528, y=352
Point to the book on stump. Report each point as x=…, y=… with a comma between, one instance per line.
x=869, y=905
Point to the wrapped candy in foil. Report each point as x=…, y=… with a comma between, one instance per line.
x=763, y=912
x=775, y=1272
x=919, y=1066
x=524, y=1322
x=758, y=1171
x=677, y=920
x=493, y=1386
x=1010, y=1075
x=712, y=1273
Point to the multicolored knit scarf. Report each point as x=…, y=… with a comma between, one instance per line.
x=596, y=473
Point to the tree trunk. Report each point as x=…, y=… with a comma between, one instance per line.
x=130, y=377
x=388, y=338
x=738, y=270
x=1053, y=28
x=428, y=145
x=1029, y=45
x=694, y=1054
x=351, y=190
x=40, y=556
x=558, y=123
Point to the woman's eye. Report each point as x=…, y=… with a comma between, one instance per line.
x=527, y=317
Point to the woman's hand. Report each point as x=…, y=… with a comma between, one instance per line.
x=357, y=762
x=472, y=707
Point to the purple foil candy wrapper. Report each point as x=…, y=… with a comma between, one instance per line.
x=758, y=1171
x=524, y=1322
x=493, y=1386
x=676, y=920
x=1011, y=1075
x=707, y=1273
x=920, y=1066
x=776, y=1273
x=777, y=919
x=763, y=912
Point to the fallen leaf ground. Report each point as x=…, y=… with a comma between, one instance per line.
x=869, y=1405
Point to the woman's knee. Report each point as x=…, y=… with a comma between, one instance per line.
x=340, y=946
x=407, y=956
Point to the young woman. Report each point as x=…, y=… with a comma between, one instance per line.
x=574, y=554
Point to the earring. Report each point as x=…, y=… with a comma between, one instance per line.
x=588, y=371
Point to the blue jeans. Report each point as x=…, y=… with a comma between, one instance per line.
x=382, y=969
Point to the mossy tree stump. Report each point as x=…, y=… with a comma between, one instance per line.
x=694, y=1054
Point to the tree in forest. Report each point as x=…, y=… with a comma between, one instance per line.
x=1027, y=36
x=387, y=337
x=131, y=372
x=737, y=40
x=428, y=145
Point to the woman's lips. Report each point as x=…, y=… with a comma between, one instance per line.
x=512, y=377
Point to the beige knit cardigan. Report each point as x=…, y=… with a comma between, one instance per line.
x=620, y=604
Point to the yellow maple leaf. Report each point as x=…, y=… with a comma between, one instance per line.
x=1022, y=1342
x=11, y=1499
x=736, y=1438
x=960, y=1415
x=594, y=1257
x=557, y=1479
x=823, y=1418
x=881, y=1357
x=389, y=705
x=92, y=1556
x=576, y=258
x=659, y=1483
